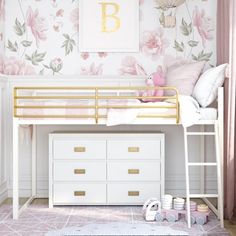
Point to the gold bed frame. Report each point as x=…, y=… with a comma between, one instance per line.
x=96, y=97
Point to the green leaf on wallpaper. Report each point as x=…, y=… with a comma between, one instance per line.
x=185, y=28
x=12, y=46
x=68, y=44
x=19, y=28
x=26, y=43
x=179, y=46
x=202, y=56
x=36, y=57
x=193, y=43
x=162, y=19
x=46, y=66
x=41, y=72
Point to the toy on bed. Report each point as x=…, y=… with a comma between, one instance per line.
x=156, y=79
x=152, y=211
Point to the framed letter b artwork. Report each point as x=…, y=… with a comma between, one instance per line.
x=109, y=25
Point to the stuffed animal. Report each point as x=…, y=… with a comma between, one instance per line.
x=156, y=79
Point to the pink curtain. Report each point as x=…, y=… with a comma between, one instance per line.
x=223, y=31
x=231, y=163
x=226, y=52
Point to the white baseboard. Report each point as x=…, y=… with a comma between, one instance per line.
x=25, y=193
x=3, y=191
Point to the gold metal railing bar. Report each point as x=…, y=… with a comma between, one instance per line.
x=96, y=98
x=15, y=102
x=90, y=116
x=147, y=116
x=54, y=107
x=55, y=116
x=99, y=88
x=137, y=97
x=55, y=97
x=96, y=105
x=86, y=107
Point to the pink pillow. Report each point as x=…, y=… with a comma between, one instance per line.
x=183, y=75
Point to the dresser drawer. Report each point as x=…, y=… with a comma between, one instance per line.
x=79, y=149
x=133, y=149
x=79, y=193
x=132, y=193
x=133, y=171
x=79, y=171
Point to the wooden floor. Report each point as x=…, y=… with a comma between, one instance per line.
x=229, y=226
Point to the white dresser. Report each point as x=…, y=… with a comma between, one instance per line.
x=105, y=168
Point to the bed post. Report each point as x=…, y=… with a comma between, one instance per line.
x=15, y=169
x=202, y=159
x=34, y=164
x=221, y=150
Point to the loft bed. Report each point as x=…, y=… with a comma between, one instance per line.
x=86, y=102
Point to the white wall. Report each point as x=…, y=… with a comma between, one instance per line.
x=3, y=166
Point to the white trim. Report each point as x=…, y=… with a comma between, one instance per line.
x=3, y=192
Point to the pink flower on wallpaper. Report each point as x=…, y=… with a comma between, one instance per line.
x=85, y=55
x=130, y=66
x=13, y=66
x=60, y=13
x=102, y=54
x=37, y=25
x=204, y=25
x=58, y=26
x=153, y=43
x=56, y=64
x=54, y=3
x=141, y=2
x=92, y=70
x=74, y=18
x=2, y=9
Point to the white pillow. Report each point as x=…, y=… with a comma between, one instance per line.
x=205, y=90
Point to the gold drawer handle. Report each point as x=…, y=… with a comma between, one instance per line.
x=133, y=193
x=79, y=149
x=133, y=149
x=79, y=193
x=133, y=171
x=79, y=171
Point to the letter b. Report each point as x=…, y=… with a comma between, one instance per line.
x=112, y=16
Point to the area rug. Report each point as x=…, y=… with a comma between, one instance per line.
x=117, y=229
x=39, y=220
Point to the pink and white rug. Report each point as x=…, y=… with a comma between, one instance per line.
x=38, y=220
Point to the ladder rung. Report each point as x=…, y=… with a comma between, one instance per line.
x=203, y=195
x=202, y=164
x=200, y=133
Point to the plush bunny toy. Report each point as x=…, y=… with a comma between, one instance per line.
x=155, y=80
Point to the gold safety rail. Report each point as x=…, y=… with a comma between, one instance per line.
x=96, y=97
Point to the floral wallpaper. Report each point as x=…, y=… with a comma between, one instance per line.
x=2, y=21
x=41, y=37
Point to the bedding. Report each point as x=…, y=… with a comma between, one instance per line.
x=205, y=90
x=190, y=111
x=183, y=75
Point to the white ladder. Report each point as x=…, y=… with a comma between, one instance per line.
x=217, y=164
